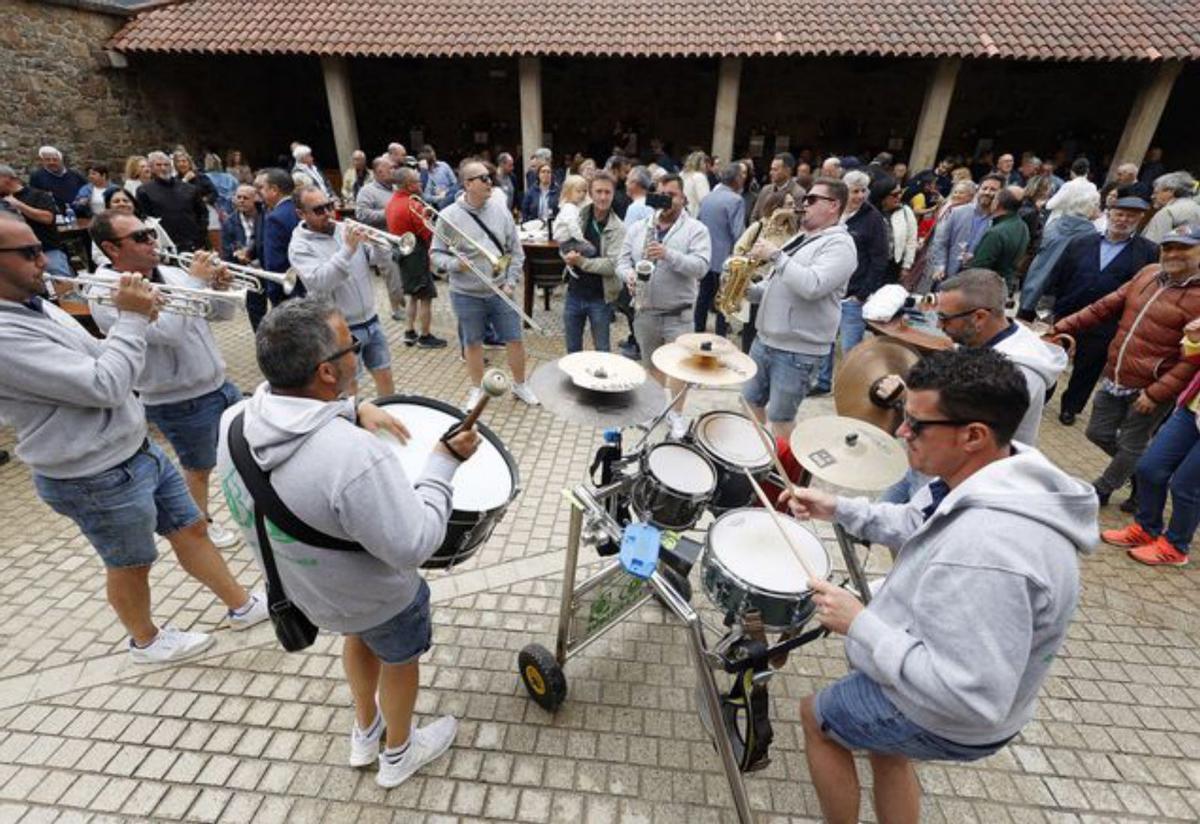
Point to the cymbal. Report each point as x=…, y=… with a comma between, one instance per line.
x=921, y=339
x=603, y=371
x=848, y=453
x=729, y=368
x=706, y=343
x=866, y=364
x=563, y=399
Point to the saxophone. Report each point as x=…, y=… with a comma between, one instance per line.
x=736, y=280
x=644, y=268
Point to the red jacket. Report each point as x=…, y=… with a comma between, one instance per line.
x=400, y=217
x=1145, y=352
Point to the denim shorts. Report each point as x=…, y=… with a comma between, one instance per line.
x=474, y=312
x=192, y=426
x=375, y=352
x=781, y=382
x=404, y=637
x=119, y=510
x=855, y=713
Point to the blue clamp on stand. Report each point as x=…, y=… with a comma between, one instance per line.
x=639, y=550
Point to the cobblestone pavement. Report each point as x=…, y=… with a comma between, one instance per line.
x=248, y=733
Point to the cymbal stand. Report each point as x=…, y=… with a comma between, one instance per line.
x=659, y=418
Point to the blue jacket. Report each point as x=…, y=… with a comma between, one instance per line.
x=1057, y=234
x=529, y=204
x=1078, y=281
x=724, y=213
x=83, y=199
x=441, y=176
x=64, y=186
x=951, y=235
x=233, y=236
x=277, y=234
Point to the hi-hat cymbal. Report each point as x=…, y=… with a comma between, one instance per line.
x=706, y=343
x=563, y=399
x=865, y=366
x=729, y=368
x=848, y=453
x=603, y=371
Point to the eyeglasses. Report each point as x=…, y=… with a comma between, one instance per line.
x=917, y=426
x=809, y=200
x=355, y=347
x=30, y=252
x=321, y=208
x=944, y=318
x=140, y=236
x=486, y=178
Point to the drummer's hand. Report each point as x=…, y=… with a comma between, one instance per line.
x=836, y=607
x=374, y=419
x=805, y=503
x=889, y=390
x=464, y=444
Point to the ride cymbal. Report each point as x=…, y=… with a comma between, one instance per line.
x=603, y=371
x=863, y=368
x=848, y=453
x=729, y=368
x=565, y=400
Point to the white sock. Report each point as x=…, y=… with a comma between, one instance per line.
x=393, y=754
x=373, y=730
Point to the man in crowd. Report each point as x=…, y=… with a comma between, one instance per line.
x=59, y=385
x=371, y=209
x=723, y=213
x=305, y=164
x=957, y=236
x=416, y=279
x=242, y=243
x=1174, y=198
x=334, y=261
x=799, y=306
x=54, y=177
x=948, y=658
x=397, y=154
x=38, y=209
x=328, y=468
x=177, y=203
x=182, y=384
x=782, y=179
x=831, y=168
x=1090, y=267
x=638, y=183
x=356, y=177
x=275, y=187
x=1144, y=372
x=1005, y=167
x=593, y=284
x=506, y=178
x=439, y=177
x=489, y=224
x=1004, y=243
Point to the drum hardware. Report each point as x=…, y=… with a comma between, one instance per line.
x=727, y=439
x=562, y=397
x=602, y=371
x=848, y=453
x=923, y=340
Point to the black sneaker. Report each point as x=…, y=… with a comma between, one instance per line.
x=1101, y=497
x=4, y=457
x=410, y=337
x=430, y=342
x=1066, y=418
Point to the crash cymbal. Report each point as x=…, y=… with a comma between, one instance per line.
x=726, y=369
x=562, y=398
x=603, y=371
x=706, y=343
x=848, y=453
x=861, y=370
x=923, y=339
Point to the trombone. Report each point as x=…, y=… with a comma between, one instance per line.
x=433, y=219
x=175, y=300
x=405, y=244
x=244, y=277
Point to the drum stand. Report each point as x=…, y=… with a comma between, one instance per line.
x=858, y=575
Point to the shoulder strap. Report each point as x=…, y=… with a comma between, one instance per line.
x=491, y=235
x=268, y=503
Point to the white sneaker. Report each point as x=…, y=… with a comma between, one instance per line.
x=364, y=749
x=255, y=612
x=679, y=425
x=472, y=398
x=424, y=745
x=170, y=645
x=221, y=537
x=524, y=393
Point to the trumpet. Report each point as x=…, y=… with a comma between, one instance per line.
x=176, y=300
x=244, y=277
x=405, y=244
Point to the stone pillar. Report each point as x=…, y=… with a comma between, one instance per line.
x=529, y=71
x=932, y=122
x=341, y=107
x=729, y=80
x=1145, y=114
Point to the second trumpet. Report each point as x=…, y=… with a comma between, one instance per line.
x=244, y=277
x=405, y=244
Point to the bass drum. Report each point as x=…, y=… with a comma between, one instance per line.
x=484, y=486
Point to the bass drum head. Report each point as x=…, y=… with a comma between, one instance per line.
x=732, y=439
x=747, y=543
x=488, y=480
x=681, y=468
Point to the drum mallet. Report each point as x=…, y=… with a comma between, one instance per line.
x=494, y=385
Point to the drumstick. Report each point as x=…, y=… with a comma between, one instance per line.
x=770, y=447
x=778, y=519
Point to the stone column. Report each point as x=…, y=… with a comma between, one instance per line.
x=341, y=107
x=933, y=114
x=529, y=71
x=1145, y=114
x=729, y=79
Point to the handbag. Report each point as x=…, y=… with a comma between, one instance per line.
x=293, y=628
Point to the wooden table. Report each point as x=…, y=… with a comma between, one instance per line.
x=544, y=268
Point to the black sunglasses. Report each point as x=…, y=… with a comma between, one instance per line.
x=811, y=199
x=355, y=347
x=917, y=426
x=29, y=252
x=943, y=317
x=484, y=177
x=320, y=208
x=140, y=236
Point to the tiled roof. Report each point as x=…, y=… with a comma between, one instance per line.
x=1017, y=29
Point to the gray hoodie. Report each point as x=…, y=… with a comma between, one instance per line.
x=675, y=281
x=329, y=269
x=345, y=482
x=183, y=360
x=455, y=221
x=1041, y=363
x=69, y=396
x=962, y=633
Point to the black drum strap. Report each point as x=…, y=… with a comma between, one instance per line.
x=747, y=713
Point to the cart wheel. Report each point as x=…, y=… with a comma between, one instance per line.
x=678, y=582
x=542, y=676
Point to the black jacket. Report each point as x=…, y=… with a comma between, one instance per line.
x=870, y=235
x=1078, y=281
x=180, y=208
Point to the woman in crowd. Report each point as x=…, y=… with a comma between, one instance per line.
x=695, y=181
x=541, y=201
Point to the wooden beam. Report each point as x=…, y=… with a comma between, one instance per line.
x=529, y=71
x=1145, y=115
x=341, y=107
x=934, y=109
x=729, y=80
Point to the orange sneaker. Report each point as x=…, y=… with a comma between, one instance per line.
x=1132, y=535
x=1159, y=552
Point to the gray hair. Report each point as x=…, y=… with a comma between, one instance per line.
x=1180, y=183
x=503, y=156
x=729, y=173
x=542, y=154
x=301, y=191
x=293, y=339
x=857, y=180
x=300, y=151
x=1128, y=167
x=967, y=186
x=156, y=156
x=7, y=171
x=641, y=176
x=405, y=176
x=379, y=160
x=979, y=287
x=49, y=151
x=1081, y=201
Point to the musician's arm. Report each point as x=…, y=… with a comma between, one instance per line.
x=881, y=523
x=320, y=274
x=516, y=265
x=694, y=262
x=829, y=269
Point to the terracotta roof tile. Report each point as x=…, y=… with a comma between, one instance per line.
x=1010, y=29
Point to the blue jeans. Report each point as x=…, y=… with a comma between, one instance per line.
x=781, y=382
x=1172, y=461
x=850, y=332
x=576, y=311
x=193, y=426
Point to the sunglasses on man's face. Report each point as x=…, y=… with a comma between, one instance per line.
x=320, y=208
x=485, y=178
x=809, y=200
x=140, y=236
x=355, y=347
x=916, y=425
x=30, y=252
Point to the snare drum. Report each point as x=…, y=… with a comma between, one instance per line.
x=748, y=565
x=483, y=486
x=675, y=486
x=730, y=441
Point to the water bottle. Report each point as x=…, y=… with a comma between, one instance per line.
x=70, y=216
